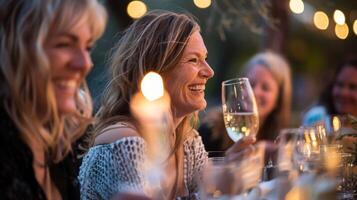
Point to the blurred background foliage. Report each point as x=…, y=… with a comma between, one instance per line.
x=234, y=30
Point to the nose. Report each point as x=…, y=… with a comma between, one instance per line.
x=206, y=71
x=82, y=60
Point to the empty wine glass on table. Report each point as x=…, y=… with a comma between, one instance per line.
x=239, y=108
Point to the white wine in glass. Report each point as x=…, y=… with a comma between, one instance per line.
x=239, y=109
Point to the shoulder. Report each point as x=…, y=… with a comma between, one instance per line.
x=314, y=114
x=115, y=132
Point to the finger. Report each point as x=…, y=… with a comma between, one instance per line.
x=241, y=144
x=240, y=155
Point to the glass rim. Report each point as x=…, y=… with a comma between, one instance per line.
x=234, y=80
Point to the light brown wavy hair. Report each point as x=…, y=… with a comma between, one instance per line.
x=155, y=42
x=25, y=78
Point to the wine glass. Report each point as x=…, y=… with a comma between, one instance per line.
x=240, y=110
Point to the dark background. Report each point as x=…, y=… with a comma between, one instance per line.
x=234, y=30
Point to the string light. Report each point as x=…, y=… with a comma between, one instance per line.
x=341, y=31
x=296, y=6
x=136, y=9
x=321, y=20
x=202, y=3
x=355, y=27
x=339, y=17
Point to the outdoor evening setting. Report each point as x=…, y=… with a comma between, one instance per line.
x=178, y=99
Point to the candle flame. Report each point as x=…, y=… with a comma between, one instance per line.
x=152, y=86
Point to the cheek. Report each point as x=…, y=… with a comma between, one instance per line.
x=354, y=96
x=173, y=87
x=271, y=100
x=58, y=60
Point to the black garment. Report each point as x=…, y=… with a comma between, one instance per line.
x=17, y=178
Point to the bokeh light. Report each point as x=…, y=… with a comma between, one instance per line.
x=202, y=3
x=136, y=9
x=339, y=17
x=296, y=6
x=321, y=20
x=355, y=27
x=152, y=86
x=341, y=31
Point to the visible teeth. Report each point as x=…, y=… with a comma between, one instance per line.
x=197, y=87
x=67, y=84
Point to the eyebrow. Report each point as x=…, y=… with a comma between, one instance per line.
x=197, y=54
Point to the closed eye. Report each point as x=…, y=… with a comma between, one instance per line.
x=62, y=44
x=193, y=60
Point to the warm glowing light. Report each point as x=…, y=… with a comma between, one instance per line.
x=339, y=17
x=136, y=9
x=355, y=27
x=321, y=20
x=296, y=6
x=152, y=86
x=295, y=193
x=202, y=3
x=313, y=138
x=336, y=124
x=332, y=159
x=341, y=31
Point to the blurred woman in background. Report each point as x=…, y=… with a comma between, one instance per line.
x=339, y=97
x=270, y=78
x=44, y=58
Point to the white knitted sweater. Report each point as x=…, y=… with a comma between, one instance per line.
x=117, y=167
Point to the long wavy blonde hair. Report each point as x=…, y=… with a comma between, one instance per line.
x=155, y=42
x=25, y=78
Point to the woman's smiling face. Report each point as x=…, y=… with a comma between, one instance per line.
x=266, y=90
x=69, y=56
x=344, y=91
x=186, y=82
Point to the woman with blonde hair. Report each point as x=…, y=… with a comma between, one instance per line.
x=269, y=75
x=44, y=58
x=170, y=44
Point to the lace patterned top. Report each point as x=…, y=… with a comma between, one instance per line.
x=118, y=167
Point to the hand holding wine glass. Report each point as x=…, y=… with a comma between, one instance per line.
x=239, y=109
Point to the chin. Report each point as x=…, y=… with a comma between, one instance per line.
x=66, y=107
x=202, y=106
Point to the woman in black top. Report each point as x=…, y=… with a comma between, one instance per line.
x=44, y=102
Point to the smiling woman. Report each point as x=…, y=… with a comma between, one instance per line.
x=170, y=44
x=68, y=54
x=339, y=97
x=44, y=53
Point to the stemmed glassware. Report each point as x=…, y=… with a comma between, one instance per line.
x=239, y=108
